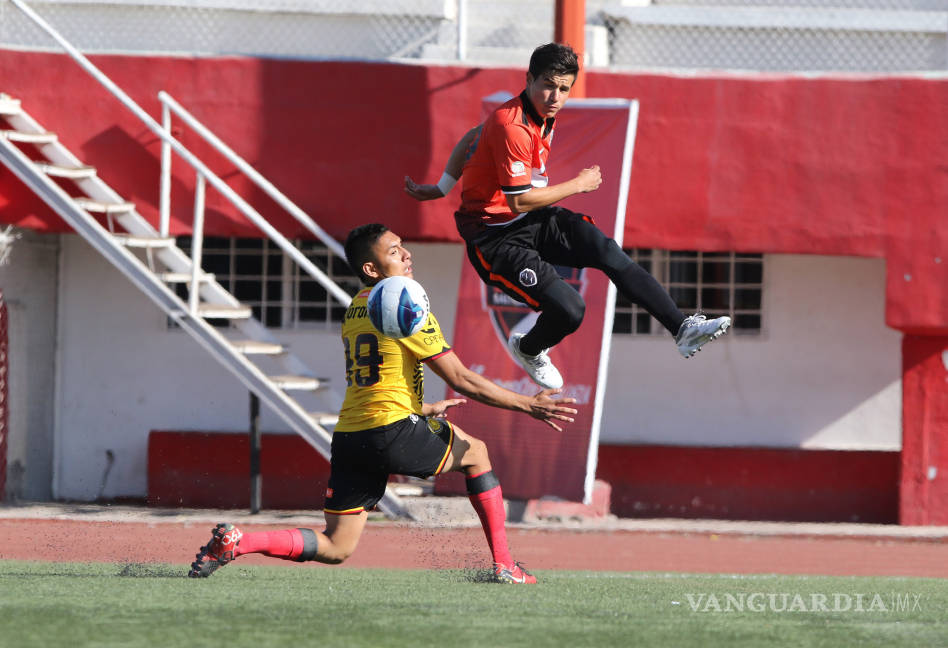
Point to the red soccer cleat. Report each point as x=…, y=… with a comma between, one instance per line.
x=217, y=552
x=515, y=574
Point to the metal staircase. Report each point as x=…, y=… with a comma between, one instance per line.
x=154, y=263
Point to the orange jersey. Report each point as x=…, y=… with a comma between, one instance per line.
x=384, y=376
x=509, y=157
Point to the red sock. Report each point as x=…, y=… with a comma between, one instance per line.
x=289, y=544
x=489, y=505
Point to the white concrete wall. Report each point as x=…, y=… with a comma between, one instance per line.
x=826, y=373
x=28, y=283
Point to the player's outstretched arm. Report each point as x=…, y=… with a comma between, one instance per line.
x=542, y=406
x=452, y=171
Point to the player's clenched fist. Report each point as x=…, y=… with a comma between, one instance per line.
x=589, y=179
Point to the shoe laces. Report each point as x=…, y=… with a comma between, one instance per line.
x=692, y=320
x=695, y=319
x=540, y=360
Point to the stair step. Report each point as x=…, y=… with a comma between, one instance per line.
x=9, y=105
x=184, y=277
x=58, y=171
x=218, y=311
x=253, y=347
x=29, y=138
x=301, y=383
x=132, y=241
x=98, y=207
x=324, y=418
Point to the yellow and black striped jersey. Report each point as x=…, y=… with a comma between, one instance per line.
x=384, y=376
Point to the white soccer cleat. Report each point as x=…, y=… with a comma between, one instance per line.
x=538, y=367
x=697, y=330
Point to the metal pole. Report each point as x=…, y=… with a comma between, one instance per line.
x=197, y=243
x=462, y=30
x=256, y=481
x=165, y=192
x=571, y=29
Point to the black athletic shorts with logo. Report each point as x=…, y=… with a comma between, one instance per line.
x=361, y=461
x=519, y=258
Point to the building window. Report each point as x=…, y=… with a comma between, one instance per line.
x=714, y=283
x=281, y=294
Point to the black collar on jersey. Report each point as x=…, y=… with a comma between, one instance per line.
x=528, y=109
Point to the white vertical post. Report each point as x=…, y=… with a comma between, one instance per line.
x=462, y=30
x=197, y=242
x=165, y=193
x=622, y=203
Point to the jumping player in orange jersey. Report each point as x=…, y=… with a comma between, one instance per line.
x=386, y=428
x=515, y=234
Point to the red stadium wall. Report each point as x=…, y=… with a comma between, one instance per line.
x=924, y=492
x=841, y=166
x=773, y=164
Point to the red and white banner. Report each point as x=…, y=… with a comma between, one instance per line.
x=530, y=458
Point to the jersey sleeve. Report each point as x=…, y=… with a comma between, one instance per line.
x=429, y=342
x=513, y=158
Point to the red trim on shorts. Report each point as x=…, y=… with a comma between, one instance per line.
x=503, y=280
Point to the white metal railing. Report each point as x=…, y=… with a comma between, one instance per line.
x=203, y=174
x=168, y=105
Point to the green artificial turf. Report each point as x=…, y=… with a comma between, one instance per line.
x=67, y=604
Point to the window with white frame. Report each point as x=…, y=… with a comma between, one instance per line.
x=281, y=294
x=714, y=283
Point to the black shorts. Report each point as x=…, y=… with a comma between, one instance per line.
x=361, y=461
x=520, y=258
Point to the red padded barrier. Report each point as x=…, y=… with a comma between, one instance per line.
x=752, y=483
x=212, y=469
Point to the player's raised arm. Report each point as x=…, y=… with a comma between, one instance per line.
x=452, y=170
x=542, y=406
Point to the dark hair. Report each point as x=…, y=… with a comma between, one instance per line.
x=359, y=244
x=553, y=59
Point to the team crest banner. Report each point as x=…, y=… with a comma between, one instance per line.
x=530, y=458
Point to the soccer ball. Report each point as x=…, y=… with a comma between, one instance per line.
x=398, y=307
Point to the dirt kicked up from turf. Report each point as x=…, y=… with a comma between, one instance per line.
x=143, y=538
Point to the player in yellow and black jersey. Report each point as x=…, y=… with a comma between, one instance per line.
x=384, y=376
x=385, y=428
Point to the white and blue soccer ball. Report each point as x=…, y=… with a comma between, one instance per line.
x=398, y=307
